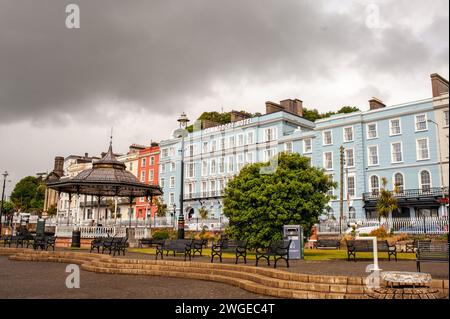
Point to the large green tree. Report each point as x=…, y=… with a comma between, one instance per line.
x=29, y=194
x=258, y=205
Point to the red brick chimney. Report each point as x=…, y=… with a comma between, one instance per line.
x=237, y=116
x=272, y=107
x=59, y=166
x=375, y=104
x=439, y=85
x=293, y=106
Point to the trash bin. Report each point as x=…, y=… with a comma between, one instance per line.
x=295, y=234
x=76, y=238
x=40, y=227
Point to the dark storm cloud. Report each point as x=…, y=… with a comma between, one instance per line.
x=158, y=54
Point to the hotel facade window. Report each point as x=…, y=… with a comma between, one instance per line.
x=372, y=131
x=231, y=141
x=327, y=138
x=374, y=185
x=240, y=161
x=204, y=168
x=230, y=164
x=425, y=180
x=213, y=167
x=349, y=157
x=351, y=186
x=288, y=147
x=205, y=147
x=162, y=182
x=399, y=182
x=250, y=138
x=421, y=122
x=270, y=134
x=328, y=160
x=348, y=134
x=143, y=162
x=171, y=199
x=172, y=182
x=373, y=155
x=396, y=152
x=307, y=145
x=240, y=139
x=152, y=160
x=151, y=175
x=172, y=166
x=395, y=127
x=143, y=177
x=221, y=165
x=422, y=149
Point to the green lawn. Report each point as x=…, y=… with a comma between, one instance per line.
x=310, y=254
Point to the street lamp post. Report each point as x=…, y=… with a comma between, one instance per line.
x=5, y=175
x=183, y=120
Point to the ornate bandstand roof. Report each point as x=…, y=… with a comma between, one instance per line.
x=107, y=177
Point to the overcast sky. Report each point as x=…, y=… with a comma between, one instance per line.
x=136, y=65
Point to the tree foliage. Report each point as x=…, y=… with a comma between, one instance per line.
x=29, y=194
x=161, y=207
x=219, y=117
x=258, y=205
x=203, y=212
x=8, y=208
x=313, y=115
x=387, y=202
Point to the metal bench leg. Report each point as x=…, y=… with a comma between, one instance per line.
x=418, y=266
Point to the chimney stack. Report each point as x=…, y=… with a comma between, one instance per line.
x=237, y=116
x=293, y=106
x=86, y=155
x=439, y=85
x=376, y=104
x=59, y=166
x=272, y=107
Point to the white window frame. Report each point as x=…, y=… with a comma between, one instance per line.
x=165, y=152
x=420, y=178
x=346, y=157
x=240, y=139
x=393, y=161
x=417, y=149
x=172, y=182
x=369, y=157
x=151, y=175
x=426, y=122
x=223, y=143
x=162, y=182
x=446, y=118
x=403, y=178
x=143, y=162
x=289, y=151
x=221, y=165
x=331, y=137
x=211, y=166
x=370, y=184
x=173, y=166
x=324, y=160
x=204, y=168
x=205, y=147
x=354, y=185
x=143, y=176
x=249, y=158
x=344, y=137
x=213, y=145
x=171, y=199
x=230, y=169
x=399, y=126
x=240, y=163
x=152, y=160
x=304, y=146
x=231, y=141
x=376, y=130
x=252, y=139
x=273, y=134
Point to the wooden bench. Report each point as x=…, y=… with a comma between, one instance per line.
x=278, y=249
x=431, y=252
x=237, y=247
x=412, y=246
x=354, y=246
x=176, y=246
x=327, y=243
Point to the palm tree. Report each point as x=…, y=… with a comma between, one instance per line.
x=387, y=202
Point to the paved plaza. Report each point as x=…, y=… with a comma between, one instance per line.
x=47, y=280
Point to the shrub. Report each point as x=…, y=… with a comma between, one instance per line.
x=161, y=234
x=379, y=233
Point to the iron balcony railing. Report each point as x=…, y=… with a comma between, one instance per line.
x=410, y=193
x=201, y=195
